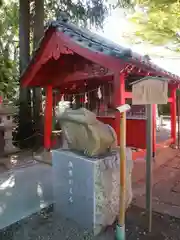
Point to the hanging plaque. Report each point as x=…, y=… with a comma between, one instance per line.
x=136, y=112
x=150, y=90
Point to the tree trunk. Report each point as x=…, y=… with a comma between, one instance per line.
x=25, y=123
x=38, y=34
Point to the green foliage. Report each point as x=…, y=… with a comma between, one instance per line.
x=8, y=82
x=81, y=12
x=8, y=49
x=158, y=22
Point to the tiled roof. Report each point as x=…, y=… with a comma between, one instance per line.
x=149, y=77
x=97, y=43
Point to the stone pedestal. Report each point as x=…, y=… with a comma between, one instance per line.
x=86, y=190
x=9, y=147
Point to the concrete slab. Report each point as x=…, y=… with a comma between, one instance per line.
x=164, y=157
x=23, y=192
x=166, y=186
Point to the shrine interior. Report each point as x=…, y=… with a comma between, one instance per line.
x=89, y=85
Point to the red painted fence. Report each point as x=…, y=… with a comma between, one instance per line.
x=136, y=131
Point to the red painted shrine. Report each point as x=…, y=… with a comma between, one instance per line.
x=93, y=72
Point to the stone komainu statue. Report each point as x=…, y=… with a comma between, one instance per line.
x=84, y=133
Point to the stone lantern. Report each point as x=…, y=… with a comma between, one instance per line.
x=6, y=128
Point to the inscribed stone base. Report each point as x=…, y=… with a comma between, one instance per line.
x=86, y=190
x=44, y=157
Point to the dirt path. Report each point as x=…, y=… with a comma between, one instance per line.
x=163, y=226
x=45, y=226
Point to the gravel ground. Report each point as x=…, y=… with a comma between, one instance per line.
x=45, y=226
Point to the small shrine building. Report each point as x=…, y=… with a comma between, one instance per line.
x=91, y=71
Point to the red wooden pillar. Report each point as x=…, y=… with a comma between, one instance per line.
x=154, y=128
x=173, y=115
x=119, y=99
x=48, y=118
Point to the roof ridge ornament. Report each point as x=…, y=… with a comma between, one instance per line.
x=147, y=57
x=63, y=16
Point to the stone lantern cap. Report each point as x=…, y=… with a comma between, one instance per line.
x=6, y=109
x=6, y=116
